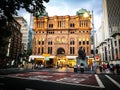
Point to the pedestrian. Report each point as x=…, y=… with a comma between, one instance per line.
x=67, y=68
x=108, y=66
x=107, y=70
x=104, y=66
x=112, y=68
x=94, y=66
x=117, y=66
x=82, y=68
x=100, y=68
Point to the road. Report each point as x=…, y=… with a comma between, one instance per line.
x=45, y=80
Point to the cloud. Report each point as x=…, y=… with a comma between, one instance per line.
x=57, y=10
x=70, y=7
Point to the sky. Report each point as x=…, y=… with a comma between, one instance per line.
x=70, y=7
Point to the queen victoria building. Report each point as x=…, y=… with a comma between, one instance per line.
x=57, y=38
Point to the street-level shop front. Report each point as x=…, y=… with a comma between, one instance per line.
x=53, y=61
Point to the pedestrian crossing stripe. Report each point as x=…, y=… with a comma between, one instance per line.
x=112, y=80
x=99, y=81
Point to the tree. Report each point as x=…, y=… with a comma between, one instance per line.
x=10, y=8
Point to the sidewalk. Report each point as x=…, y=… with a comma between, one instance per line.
x=66, y=70
x=21, y=70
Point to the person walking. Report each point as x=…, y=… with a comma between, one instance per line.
x=100, y=68
x=117, y=67
x=112, y=68
x=82, y=68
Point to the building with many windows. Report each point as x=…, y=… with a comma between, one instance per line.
x=13, y=50
x=27, y=34
x=60, y=37
x=109, y=47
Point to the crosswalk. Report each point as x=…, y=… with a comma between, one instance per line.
x=99, y=81
x=87, y=80
x=113, y=81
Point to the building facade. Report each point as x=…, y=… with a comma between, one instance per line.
x=61, y=37
x=110, y=44
x=27, y=34
x=15, y=44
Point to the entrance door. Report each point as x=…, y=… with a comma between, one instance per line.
x=60, y=51
x=61, y=61
x=61, y=58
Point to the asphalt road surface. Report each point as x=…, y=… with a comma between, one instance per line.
x=45, y=80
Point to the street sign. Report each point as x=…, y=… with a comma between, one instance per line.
x=97, y=56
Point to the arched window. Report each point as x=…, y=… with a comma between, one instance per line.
x=49, y=41
x=72, y=41
x=43, y=41
x=57, y=40
x=35, y=50
x=72, y=50
x=38, y=50
x=63, y=40
x=87, y=42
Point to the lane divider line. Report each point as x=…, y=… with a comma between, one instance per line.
x=112, y=80
x=99, y=81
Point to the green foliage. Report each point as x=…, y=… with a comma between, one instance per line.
x=9, y=8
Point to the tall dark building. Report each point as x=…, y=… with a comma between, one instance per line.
x=13, y=51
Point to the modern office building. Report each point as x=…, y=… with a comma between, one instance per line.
x=58, y=38
x=111, y=29
x=27, y=34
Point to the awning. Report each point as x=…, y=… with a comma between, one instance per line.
x=71, y=57
x=41, y=56
x=32, y=57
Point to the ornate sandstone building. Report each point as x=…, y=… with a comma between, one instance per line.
x=57, y=38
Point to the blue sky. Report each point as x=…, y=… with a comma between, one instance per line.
x=70, y=7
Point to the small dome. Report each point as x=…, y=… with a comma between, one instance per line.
x=82, y=11
x=41, y=14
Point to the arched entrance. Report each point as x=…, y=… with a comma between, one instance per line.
x=61, y=60
x=60, y=51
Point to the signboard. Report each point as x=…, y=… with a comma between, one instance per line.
x=97, y=57
x=46, y=55
x=46, y=58
x=90, y=61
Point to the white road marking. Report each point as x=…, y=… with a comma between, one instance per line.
x=115, y=82
x=99, y=81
